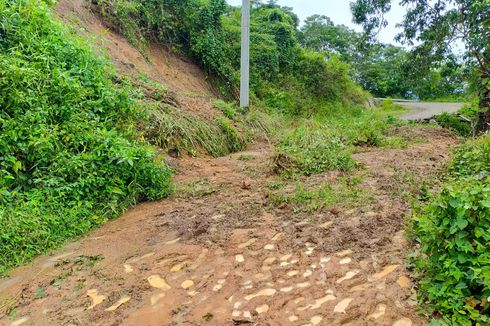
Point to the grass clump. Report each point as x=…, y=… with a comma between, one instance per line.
x=345, y=192
x=453, y=231
x=309, y=150
x=69, y=155
x=234, y=140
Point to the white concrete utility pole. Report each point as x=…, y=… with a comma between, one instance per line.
x=245, y=59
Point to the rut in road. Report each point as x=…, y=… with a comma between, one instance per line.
x=219, y=253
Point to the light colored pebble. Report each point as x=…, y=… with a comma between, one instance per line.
x=237, y=305
x=342, y=306
x=192, y=293
x=119, y=303
x=157, y=282
x=239, y=258
x=315, y=320
x=344, y=253
x=385, y=272
x=403, y=322
x=177, y=268
x=247, y=244
x=292, y=273
x=96, y=298
x=128, y=268
x=403, y=282
x=277, y=237
x=262, y=309
x=308, y=273
x=247, y=314
x=156, y=297
x=172, y=241
x=293, y=318
x=236, y=313
x=319, y=302
x=286, y=257
x=298, y=300
x=326, y=225
x=261, y=293
x=217, y=287
x=380, y=311
x=19, y=321
x=187, y=284
x=270, y=261
x=303, y=285
x=269, y=247
x=345, y=261
x=222, y=281
x=348, y=276
x=287, y=289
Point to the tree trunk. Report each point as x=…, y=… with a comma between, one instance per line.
x=484, y=119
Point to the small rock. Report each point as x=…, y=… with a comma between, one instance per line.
x=119, y=303
x=262, y=309
x=187, y=284
x=342, y=306
x=239, y=258
x=386, y=271
x=293, y=318
x=264, y=292
x=315, y=320
x=344, y=253
x=403, y=322
x=157, y=282
x=348, y=276
x=345, y=261
x=96, y=298
x=403, y=282
x=292, y=273
x=246, y=244
x=380, y=311
x=269, y=247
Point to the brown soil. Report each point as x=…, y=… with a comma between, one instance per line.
x=219, y=252
x=235, y=253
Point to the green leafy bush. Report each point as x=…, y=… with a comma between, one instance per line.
x=69, y=158
x=454, y=236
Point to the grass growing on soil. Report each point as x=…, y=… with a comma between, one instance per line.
x=453, y=230
x=69, y=154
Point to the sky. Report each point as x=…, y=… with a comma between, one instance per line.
x=339, y=12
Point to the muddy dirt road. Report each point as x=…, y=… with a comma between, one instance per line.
x=218, y=253
x=426, y=110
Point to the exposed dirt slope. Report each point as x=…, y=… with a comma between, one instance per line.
x=218, y=253
x=186, y=81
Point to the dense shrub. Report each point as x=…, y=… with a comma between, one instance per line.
x=68, y=155
x=454, y=236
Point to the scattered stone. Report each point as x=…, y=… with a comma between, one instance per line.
x=247, y=314
x=319, y=302
x=403, y=322
x=314, y=266
x=303, y=285
x=277, y=237
x=348, y=276
x=236, y=313
x=342, y=306
x=171, y=242
x=19, y=321
x=344, y=253
x=187, y=284
x=380, y=311
x=128, y=268
x=287, y=289
x=157, y=282
x=298, y=300
x=239, y=258
x=269, y=247
x=217, y=287
x=262, y=309
x=326, y=225
x=247, y=244
x=309, y=251
x=316, y=320
x=360, y=287
x=119, y=303
x=96, y=298
x=403, y=282
x=345, y=261
x=262, y=276
x=222, y=281
x=237, y=305
x=308, y=273
x=261, y=293
x=293, y=318
x=177, y=268
x=324, y=261
x=270, y=261
x=192, y=293
x=386, y=271
x=286, y=257
x=156, y=297
x=303, y=223
x=292, y=273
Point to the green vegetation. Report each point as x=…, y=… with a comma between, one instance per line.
x=454, y=235
x=69, y=154
x=345, y=192
x=284, y=76
x=464, y=123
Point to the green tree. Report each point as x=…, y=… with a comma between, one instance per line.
x=435, y=26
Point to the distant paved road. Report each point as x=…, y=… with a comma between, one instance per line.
x=426, y=110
